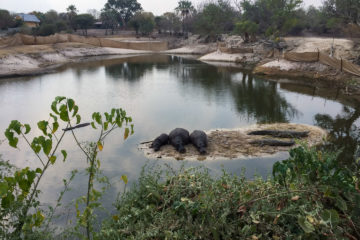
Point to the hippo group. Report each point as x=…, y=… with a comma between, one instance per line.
x=180, y=137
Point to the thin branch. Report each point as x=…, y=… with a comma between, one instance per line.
x=79, y=145
x=33, y=150
x=91, y=175
x=107, y=133
x=27, y=206
x=52, y=130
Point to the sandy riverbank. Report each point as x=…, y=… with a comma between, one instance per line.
x=38, y=59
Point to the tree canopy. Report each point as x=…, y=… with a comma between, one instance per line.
x=84, y=21
x=124, y=8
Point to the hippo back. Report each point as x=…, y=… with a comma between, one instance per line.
x=199, y=140
x=179, y=137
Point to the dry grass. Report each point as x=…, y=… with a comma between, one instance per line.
x=230, y=144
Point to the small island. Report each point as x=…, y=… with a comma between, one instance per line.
x=237, y=143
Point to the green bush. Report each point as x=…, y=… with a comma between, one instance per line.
x=47, y=29
x=191, y=204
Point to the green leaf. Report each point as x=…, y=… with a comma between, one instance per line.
x=126, y=133
x=100, y=146
x=305, y=224
x=76, y=109
x=7, y=201
x=38, y=218
x=107, y=116
x=13, y=142
x=97, y=117
x=59, y=98
x=71, y=104
x=64, y=116
x=27, y=128
x=38, y=170
x=3, y=188
x=106, y=124
x=124, y=178
x=64, y=153
x=340, y=203
x=54, y=117
x=42, y=125
x=330, y=216
x=24, y=185
x=55, y=127
x=93, y=125
x=31, y=176
x=53, y=107
x=78, y=119
x=52, y=159
x=16, y=126
x=47, y=145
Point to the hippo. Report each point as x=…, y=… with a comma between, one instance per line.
x=199, y=140
x=179, y=137
x=161, y=140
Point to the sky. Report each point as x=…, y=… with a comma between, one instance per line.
x=158, y=7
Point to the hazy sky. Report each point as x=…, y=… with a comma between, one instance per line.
x=156, y=6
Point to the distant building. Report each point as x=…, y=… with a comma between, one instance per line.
x=98, y=24
x=29, y=20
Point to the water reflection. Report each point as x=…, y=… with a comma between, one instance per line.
x=344, y=132
x=254, y=98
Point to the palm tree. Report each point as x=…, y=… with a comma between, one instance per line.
x=184, y=7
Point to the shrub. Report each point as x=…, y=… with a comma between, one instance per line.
x=191, y=204
x=47, y=29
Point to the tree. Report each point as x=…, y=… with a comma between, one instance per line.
x=6, y=20
x=95, y=13
x=125, y=9
x=143, y=22
x=84, y=21
x=272, y=15
x=216, y=18
x=109, y=18
x=185, y=8
x=51, y=17
x=246, y=29
x=71, y=14
x=348, y=10
x=169, y=22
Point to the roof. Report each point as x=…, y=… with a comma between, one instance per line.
x=29, y=18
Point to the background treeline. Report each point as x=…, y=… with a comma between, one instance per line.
x=247, y=18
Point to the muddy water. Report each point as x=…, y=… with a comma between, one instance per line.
x=162, y=93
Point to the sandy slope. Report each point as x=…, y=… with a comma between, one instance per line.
x=24, y=60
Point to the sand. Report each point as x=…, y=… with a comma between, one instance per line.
x=235, y=143
x=197, y=49
x=37, y=59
